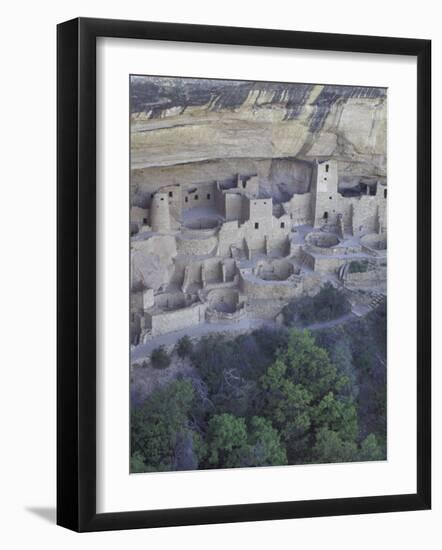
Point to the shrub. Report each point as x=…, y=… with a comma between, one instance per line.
x=358, y=266
x=159, y=429
x=184, y=346
x=328, y=304
x=160, y=358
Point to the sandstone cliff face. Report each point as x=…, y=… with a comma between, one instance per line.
x=152, y=260
x=198, y=130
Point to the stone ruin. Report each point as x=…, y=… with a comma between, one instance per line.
x=224, y=252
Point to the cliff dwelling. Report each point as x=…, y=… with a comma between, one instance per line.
x=236, y=251
x=258, y=273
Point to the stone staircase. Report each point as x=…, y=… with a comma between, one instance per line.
x=377, y=300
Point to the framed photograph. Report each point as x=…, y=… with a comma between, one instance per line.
x=243, y=309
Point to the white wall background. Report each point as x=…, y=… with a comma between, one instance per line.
x=27, y=289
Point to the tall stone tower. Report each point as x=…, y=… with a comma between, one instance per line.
x=159, y=213
x=325, y=192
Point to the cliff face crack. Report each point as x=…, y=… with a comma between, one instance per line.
x=208, y=120
x=332, y=94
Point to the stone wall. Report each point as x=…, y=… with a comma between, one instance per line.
x=326, y=174
x=365, y=211
x=328, y=244
x=198, y=196
x=194, y=246
x=233, y=209
x=299, y=208
x=382, y=210
x=266, y=236
x=139, y=215
x=170, y=300
x=203, y=272
x=192, y=275
x=278, y=239
x=296, y=251
x=258, y=289
x=361, y=215
x=369, y=278
x=327, y=264
x=223, y=299
x=212, y=270
x=259, y=211
x=173, y=193
x=311, y=284
x=307, y=260
x=375, y=243
x=219, y=200
x=169, y=321
x=213, y=316
x=255, y=237
x=159, y=213
x=136, y=301
x=228, y=235
x=200, y=230
x=324, y=192
x=177, y=277
x=274, y=270
x=229, y=269
x=203, y=259
x=265, y=309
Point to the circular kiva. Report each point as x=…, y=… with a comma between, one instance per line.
x=375, y=241
x=274, y=270
x=322, y=240
x=169, y=301
x=201, y=223
x=224, y=300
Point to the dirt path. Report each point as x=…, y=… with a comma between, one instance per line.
x=332, y=322
x=171, y=338
x=168, y=340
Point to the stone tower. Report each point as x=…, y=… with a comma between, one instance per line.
x=159, y=213
x=325, y=192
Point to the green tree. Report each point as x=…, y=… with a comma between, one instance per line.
x=137, y=465
x=232, y=443
x=301, y=395
x=309, y=365
x=265, y=447
x=159, y=426
x=370, y=450
x=184, y=346
x=285, y=403
x=160, y=358
x=329, y=447
x=338, y=415
x=337, y=342
x=227, y=441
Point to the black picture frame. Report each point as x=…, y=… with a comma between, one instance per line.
x=76, y=274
